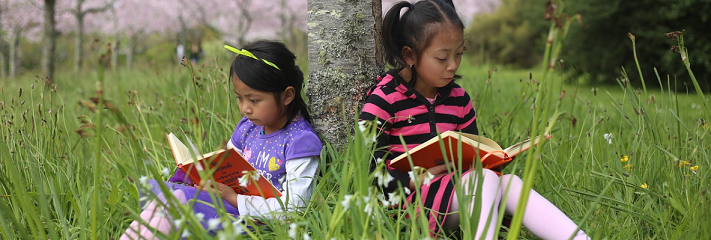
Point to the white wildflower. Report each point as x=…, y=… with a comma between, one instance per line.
x=186, y=233
x=165, y=171
x=361, y=126
x=238, y=228
x=608, y=137
x=306, y=236
x=346, y=202
x=407, y=191
x=200, y=216
x=244, y=180
x=368, y=208
x=386, y=203
x=394, y=198
x=143, y=180
x=384, y=178
x=428, y=177
x=292, y=231
x=378, y=161
x=178, y=223
x=213, y=223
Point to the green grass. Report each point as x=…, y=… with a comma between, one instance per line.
x=69, y=167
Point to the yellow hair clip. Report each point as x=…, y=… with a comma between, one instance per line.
x=249, y=54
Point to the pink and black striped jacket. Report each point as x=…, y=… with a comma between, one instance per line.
x=401, y=110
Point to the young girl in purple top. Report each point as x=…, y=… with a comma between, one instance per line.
x=424, y=45
x=274, y=135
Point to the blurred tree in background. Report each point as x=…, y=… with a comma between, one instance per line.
x=513, y=34
x=602, y=46
x=599, y=47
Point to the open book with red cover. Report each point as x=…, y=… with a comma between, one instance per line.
x=228, y=166
x=429, y=153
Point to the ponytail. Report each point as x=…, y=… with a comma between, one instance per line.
x=392, y=36
x=415, y=29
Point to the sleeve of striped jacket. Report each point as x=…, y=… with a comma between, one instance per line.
x=377, y=109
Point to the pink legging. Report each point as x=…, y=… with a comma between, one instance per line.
x=155, y=217
x=541, y=217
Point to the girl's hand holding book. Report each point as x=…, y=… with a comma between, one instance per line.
x=435, y=171
x=221, y=189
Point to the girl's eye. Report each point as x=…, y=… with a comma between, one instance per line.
x=460, y=53
x=254, y=101
x=441, y=59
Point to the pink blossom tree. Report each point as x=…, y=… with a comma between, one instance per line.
x=15, y=20
x=81, y=9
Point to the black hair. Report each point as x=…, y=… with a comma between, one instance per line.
x=415, y=29
x=260, y=76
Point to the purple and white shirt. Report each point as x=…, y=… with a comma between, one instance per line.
x=288, y=158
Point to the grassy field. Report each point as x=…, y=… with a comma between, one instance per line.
x=75, y=154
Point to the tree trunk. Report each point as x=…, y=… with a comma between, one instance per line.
x=3, y=58
x=345, y=58
x=129, y=58
x=79, y=42
x=49, y=40
x=115, y=48
x=13, y=59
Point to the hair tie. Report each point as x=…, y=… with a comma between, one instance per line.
x=249, y=54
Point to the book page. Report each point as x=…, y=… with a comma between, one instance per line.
x=180, y=151
x=523, y=146
x=480, y=142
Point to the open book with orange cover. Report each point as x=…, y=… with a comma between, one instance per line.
x=429, y=153
x=228, y=166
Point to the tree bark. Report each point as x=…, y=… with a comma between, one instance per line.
x=49, y=40
x=344, y=60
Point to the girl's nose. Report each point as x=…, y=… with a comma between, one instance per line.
x=451, y=65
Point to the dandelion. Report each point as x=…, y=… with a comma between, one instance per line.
x=694, y=168
x=346, y=202
x=608, y=137
x=165, y=171
x=628, y=167
x=625, y=158
x=644, y=186
x=292, y=231
x=213, y=223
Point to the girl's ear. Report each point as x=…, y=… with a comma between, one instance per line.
x=288, y=95
x=409, y=55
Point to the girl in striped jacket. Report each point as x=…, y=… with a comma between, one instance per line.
x=417, y=99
